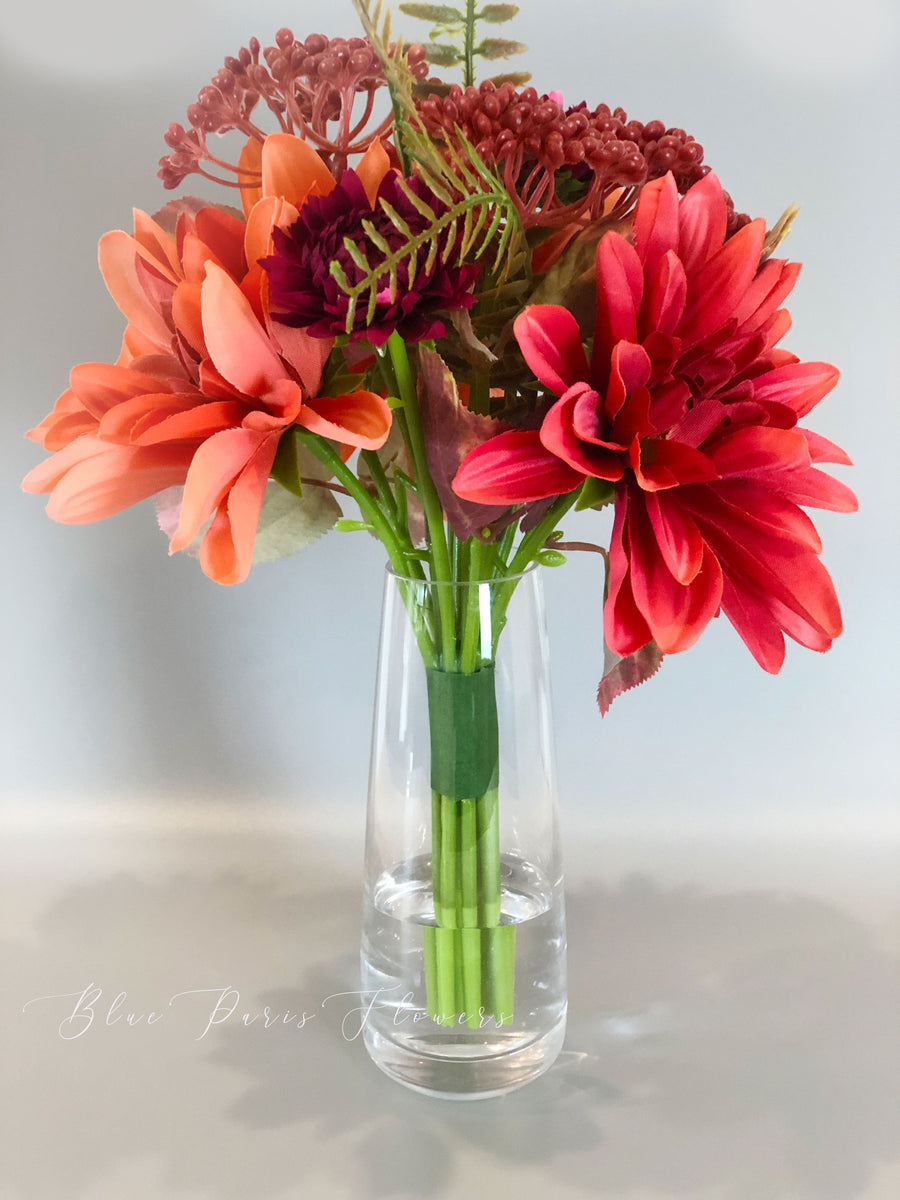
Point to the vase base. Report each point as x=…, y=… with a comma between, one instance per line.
x=443, y=1065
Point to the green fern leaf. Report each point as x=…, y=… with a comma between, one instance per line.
x=494, y=14
x=439, y=14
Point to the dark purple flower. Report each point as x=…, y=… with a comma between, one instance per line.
x=303, y=292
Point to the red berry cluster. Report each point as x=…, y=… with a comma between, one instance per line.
x=308, y=85
x=561, y=164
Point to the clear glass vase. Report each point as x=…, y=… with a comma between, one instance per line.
x=464, y=943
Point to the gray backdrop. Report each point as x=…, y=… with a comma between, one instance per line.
x=130, y=675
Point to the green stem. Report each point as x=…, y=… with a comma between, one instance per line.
x=526, y=552
x=469, y=49
x=368, y=506
x=428, y=495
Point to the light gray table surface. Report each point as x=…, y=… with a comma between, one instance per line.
x=733, y=1033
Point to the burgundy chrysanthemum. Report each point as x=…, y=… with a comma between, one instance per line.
x=561, y=164
x=304, y=292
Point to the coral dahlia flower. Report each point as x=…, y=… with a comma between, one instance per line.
x=204, y=387
x=689, y=410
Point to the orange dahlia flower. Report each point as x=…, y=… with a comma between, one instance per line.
x=205, y=386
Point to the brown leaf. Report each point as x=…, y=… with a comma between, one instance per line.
x=451, y=431
x=622, y=674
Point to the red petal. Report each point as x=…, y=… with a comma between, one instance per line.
x=748, y=449
x=620, y=287
x=717, y=289
x=550, y=340
x=558, y=436
x=758, y=629
x=667, y=295
x=676, y=534
x=703, y=219
x=773, y=281
x=624, y=626
x=662, y=463
x=801, y=385
x=656, y=222
x=676, y=613
x=766, y=563
x=513, y=468
x=821, y=450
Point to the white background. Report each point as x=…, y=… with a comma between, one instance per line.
x=129, y=673
x=185, y=765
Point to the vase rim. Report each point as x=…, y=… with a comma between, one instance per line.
x=531, y=569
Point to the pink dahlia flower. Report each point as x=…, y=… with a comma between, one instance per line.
x=690, y=411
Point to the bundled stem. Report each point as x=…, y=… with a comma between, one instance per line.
x=469, y=953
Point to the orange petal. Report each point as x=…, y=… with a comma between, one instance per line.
x=186, y=315
x=291, y=168
x=116, y=255
x=372, y=168
x=250, y=174
x=360, y=419
x=224, y=234
x=101, y=386
x=67, y=420
x=214, y=469
x=237, y=343
x=270, y=212
x=226, y=552
x=306, y=354
x=156, y=246
x=91, y=479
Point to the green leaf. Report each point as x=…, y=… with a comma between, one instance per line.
x=595, y=493
x=440, y=14
x=443, y=55
x=285, y=469
x=496, y=14
x=516, y=78
x=499, y=48
x=288, y=523
x=551, y=558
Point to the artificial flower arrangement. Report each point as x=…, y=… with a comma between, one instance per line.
x=468, y=315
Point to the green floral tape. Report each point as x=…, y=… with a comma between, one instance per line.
x=462, y=715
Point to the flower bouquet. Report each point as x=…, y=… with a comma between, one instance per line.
x=467, y=308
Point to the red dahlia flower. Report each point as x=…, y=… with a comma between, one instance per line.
x=691, y=412
x=304, y=293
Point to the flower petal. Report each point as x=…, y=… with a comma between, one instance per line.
x=237, y=343
x=292, y=168
x=703, y=221
x=513, y=468
x=801, y=385
x=372, y=168
x=620, y=287
x=550, y=340
x=717, y=289
x=676, y=613
x=214, y=469
x=656, y=222
x=358, y=419
x=90, y=479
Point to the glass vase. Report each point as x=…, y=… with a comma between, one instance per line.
x=464, y=944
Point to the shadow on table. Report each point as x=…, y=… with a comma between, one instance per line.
x=745, y=1042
